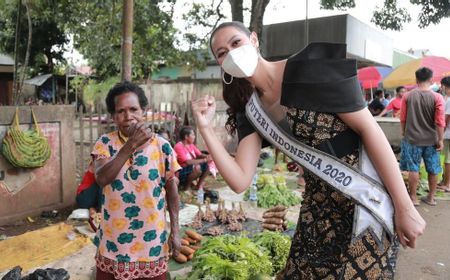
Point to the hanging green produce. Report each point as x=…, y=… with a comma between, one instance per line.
x=25, y=148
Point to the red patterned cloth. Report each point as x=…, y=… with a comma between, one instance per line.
x=131, y=270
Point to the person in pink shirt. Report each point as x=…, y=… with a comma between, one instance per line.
x=194, y=163
x=396, y=104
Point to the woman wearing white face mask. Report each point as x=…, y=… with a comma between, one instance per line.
x=318, y=90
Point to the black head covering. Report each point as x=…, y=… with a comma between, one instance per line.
x=320, y=78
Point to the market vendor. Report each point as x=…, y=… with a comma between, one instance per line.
x=136, y=170
x=194, y=163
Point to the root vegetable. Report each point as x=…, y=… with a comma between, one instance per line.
x=209, y=215
x=190, y=257
x=234, y=225
x=214, y=231
x=241, y=214
x=193, y=235
x=185, y=250
x=219, y=208
x=277, y=208
x=180, y=258
x=276, y=221
x=196, y=224
x=194, y=247
x=272, y=227
x=280, y=214
x=190, y=240
x=184, y=242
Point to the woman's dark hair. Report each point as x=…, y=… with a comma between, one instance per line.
x=185, y=131
x=236, y=94
x=122, y=88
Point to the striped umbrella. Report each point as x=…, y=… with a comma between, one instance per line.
x=404, y=75
x=371, y=76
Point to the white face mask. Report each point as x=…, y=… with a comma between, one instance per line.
x=241, y=62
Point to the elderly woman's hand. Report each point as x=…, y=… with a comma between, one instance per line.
x=139, y=134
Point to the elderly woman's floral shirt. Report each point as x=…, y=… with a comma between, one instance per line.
x=133, y=226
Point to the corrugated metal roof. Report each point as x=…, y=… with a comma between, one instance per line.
x=6, y=60
x=38, y=80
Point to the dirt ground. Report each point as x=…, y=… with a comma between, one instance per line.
x=431, y=258
x=429, y=261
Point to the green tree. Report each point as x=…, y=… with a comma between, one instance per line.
x=392, y=16
x=30, y=33
x=48, y=39
x=389, y=16
x=97, y=30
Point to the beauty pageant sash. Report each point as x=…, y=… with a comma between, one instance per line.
x=373, y=211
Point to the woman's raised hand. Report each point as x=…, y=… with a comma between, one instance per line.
x=139, y=134
x=203, y=110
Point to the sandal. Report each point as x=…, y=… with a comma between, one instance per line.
x=443, y=188
x=425, y=200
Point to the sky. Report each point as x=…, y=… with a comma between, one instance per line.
x=433, y=37
x=411, y=37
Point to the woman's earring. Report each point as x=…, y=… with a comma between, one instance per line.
x=223, y=79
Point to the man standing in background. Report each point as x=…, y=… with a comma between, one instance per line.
x=445, y=88
x=396, y=104
x=422, y=121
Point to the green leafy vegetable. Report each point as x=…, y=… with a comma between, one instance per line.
x=230, y=257
x=277, y=245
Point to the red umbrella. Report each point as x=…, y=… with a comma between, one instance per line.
x=371, y=76
x=404, y=75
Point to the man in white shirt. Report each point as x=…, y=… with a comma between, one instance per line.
x=445, y=183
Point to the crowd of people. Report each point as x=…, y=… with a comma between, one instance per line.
x=424, y=113
x=135, y=173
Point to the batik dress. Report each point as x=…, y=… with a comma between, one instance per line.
x=132, y=239
x=318, y=83
x=321, y=247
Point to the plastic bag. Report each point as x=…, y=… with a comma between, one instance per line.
x=38, y=274
x=13, y=274
x=48, y=274
x=79, y=214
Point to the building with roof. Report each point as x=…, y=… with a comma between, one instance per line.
x=368, y=45
x=6, y=79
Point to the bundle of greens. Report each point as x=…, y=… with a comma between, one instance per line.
x=272, y=191
x=230, y=257
x=277, y=245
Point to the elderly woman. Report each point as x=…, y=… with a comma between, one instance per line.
x=136, y=170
